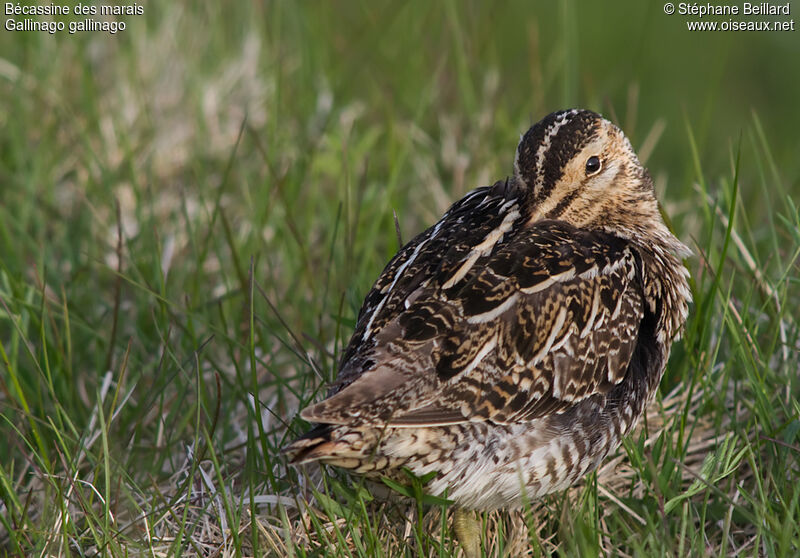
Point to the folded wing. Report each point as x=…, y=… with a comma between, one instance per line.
x=514, y=322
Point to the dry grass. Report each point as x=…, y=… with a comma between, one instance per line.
x=295, y=518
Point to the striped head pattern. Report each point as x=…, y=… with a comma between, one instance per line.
x=578, y=167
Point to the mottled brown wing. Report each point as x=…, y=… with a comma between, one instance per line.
x=541, y=351
x=550, y=320
x=505, y=327
x=412, y=272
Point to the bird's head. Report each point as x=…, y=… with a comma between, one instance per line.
x=578, y=167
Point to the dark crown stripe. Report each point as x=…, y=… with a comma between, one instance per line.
x=567, y=133
x=531, y=141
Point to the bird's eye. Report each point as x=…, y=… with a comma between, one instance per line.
x=592, y=165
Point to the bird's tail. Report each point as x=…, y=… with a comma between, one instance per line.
x=331, y=444
x=311, y=446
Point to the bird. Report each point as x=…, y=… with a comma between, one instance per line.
x=508, y=349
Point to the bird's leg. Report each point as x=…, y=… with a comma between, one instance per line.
x=468, y=533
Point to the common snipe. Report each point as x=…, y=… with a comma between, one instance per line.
x=512, y=345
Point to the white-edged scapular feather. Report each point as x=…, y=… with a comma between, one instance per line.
x=551, y=338
x=397, y=275
x=593, y=314
x=487, y=348
x=485, y=247
x=557, y=278
x=494, y=312
x=618, y=307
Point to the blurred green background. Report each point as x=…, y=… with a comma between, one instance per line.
x=456, y=80
x=146, y=176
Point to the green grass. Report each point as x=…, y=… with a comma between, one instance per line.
x=191, y=212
